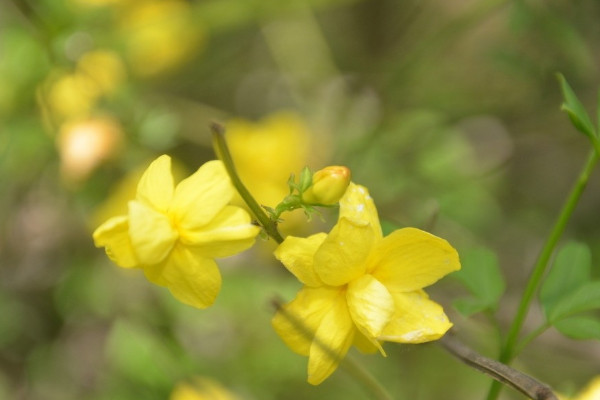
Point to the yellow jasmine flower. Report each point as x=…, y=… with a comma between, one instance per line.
x=84, y=144
x=174, y=232
x=265, y=153
x=201, y=389
x=160, y=35
x=361, y=288
x=73, y=95
x=590, y=392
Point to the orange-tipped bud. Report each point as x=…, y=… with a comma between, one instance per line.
x=328, y=185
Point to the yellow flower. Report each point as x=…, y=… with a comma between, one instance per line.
x=201, y=389
x=160, y=35
x=72, y=95
x=266, y=152
x=84, y=144
x=173, y=233
x=590, y=392
x=328, y=185
x=361, y=288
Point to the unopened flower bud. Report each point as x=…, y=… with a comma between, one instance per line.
x=328, y=185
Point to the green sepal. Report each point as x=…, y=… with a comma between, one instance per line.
x=305, y=179
x=291, y=182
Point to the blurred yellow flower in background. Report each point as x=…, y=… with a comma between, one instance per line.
x=105, y=68
x=201, y=388
x=174, y=232
x=266, y=152
x=159, y=35
x=84, y=144
x=361, y=288
x=590, y=392
x=74, y=95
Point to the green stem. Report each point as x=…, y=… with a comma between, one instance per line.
x=353, y=367
x=530, y=336
x=508, y=350
x=222, y=150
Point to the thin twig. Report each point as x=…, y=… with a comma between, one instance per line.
x=501, y=372
x=222, y=150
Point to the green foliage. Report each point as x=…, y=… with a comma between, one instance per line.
x=568, y=292
x=573, y=107
x=481, y=275
x=138, y=355
x=579, y=327
x=571, y=269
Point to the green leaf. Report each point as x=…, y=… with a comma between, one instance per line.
x=579, y=117
x=585, y=298
x=140, y=355
x=481, y=275
x=469, y=305
x=570, y=271
x=580, y=327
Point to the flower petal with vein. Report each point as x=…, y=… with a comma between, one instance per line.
x=361, y=288
x=174, y=232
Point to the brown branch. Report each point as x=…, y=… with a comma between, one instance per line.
x=502, y=373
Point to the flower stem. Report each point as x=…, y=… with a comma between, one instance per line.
x=508, y=350
x=353, y=367
x=222, y=151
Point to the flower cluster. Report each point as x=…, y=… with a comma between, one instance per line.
x=361, y=288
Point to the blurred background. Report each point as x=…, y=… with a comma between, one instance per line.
x=448, y=111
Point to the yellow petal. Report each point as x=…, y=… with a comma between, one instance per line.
x=114, y=236
x=193, y=280
x=297, y=255
x=342, y=256
x=357, y=204
x=363, y=344
x=371, y=305
x=334, y=337
x=155, y=188
x=199, y=198
x=297, y=321
x=151, y=233
x=230, y=232
x=416, y=319
x=409, y=259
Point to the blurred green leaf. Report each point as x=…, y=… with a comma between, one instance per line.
x=573, y=107
x=585, y=298
x=140, y=355
x=481, y=275
x=468, y=306
x=579, y=327
x=570, y=271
